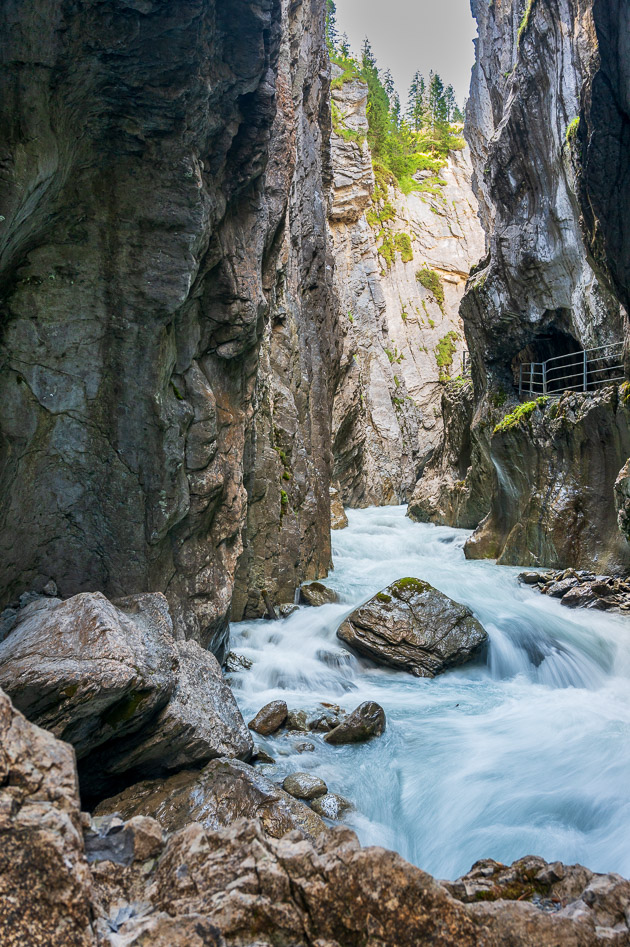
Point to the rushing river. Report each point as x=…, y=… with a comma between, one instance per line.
x=527, y=754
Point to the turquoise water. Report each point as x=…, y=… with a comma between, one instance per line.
x=528, y=753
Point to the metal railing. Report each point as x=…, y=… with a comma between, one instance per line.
x=577, y=371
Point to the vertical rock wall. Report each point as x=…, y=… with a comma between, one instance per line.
x=148, y=156
x=547, y=124
x=387, y=415
x=288, y=460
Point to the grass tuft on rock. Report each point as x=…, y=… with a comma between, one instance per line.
x=520, y=413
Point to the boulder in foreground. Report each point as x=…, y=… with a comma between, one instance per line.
x=413, y=627
x=46, y=890
x=224, y=791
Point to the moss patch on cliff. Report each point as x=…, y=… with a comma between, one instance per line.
x=521, y=413
x=526, y=20
x=444, y=352
x=431, y=282
x=350, y=70
x=403, y=245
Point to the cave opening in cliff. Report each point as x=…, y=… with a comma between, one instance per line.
x=556, y=350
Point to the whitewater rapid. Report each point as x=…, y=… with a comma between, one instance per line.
x=528, y=753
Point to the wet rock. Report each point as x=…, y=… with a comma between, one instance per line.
x=296, y=720
x=530, y=578
x=46, y=891
x=261, y=756
x=558, y=589
x=305, y=747
x=88, y=670
x=413, y=627
x=330, y=806
x=200, y=722
x=367, y=721
x=578, y=597
x=317, y=594
x=224, y=791
x=304, y=786
x=338, y=518
x=322, y=721
x=584, y=589
x=269, y=718
x=237, y=662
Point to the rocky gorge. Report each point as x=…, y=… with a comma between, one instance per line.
x=222, y=321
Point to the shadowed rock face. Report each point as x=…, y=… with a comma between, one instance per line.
x=112, y=681
x=148, y=151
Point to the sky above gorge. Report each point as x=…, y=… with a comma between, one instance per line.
x=414, y=34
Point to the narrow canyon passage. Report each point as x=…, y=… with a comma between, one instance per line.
x=527, y=752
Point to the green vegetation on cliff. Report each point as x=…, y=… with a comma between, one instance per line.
x=444, y=352
x=401, y=144
x=520, y=413
x=431, y=282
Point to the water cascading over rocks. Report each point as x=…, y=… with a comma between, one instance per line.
x=547, y=121
x=168, y=344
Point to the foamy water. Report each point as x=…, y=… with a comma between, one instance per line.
x=528, y=753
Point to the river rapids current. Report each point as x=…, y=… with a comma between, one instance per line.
x=528, y=753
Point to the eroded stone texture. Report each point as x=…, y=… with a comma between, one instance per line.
x=387, y=417
x=553, y=491
x=46, y=891
x=413, y=627
x=144, y=191
x=288, y=460
x=224, y=791
x=111, y=680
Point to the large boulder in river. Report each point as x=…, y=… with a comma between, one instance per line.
x=413, y=627
x=224, y=791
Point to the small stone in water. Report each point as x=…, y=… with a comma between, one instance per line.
x=304, y=786
x=269, y=718
x=367, y=721
x=330, y=806
x=305, y=747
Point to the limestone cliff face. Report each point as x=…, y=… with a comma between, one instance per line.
x=147, y=251
x=546, y=126
x=387, y=413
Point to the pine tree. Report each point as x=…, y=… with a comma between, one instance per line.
x=331, y=26
x=416, y=102
x=451, y=103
